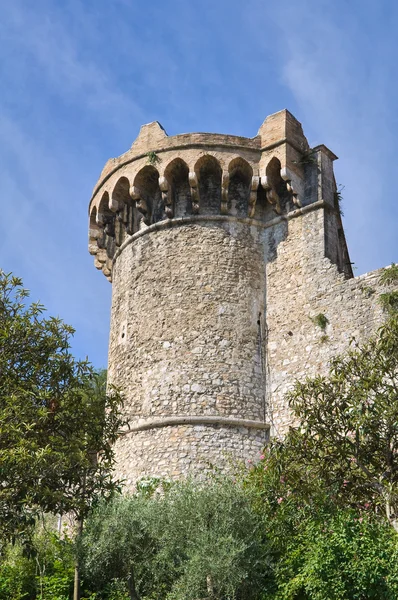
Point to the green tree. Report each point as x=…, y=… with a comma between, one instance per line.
x=319, y=549
x=192, y=540
x=57, y=422
x=348, y=426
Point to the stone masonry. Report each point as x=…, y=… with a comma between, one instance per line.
x=222, y=251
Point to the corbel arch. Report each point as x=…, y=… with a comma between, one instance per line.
x=240, y=175
x=179, y=198
x=276, y=188
x=94, y=232
x=105, y=219
x=125, y=212
x=209, y=174
x=147, y=195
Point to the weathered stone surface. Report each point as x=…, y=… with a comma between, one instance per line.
x=221, y=251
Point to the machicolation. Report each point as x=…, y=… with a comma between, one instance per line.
x=223, y=252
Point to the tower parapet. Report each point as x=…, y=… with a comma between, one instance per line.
x=207, y=240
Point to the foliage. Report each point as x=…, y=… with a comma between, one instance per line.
x=153, y=158
x=389, y=301
x=216, y=536
x=328, y=493
x=57, y=424
x=17, y=574
x=118, y=543
x=54, y=560
x=319, y=550
x=367, y=290
x=46, y=572
x=309, y=157
x=389, y=274
x=348, y=426
x=321, y=321
x=338, y=199
x=190, y=541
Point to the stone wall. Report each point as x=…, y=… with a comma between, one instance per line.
x=301, y=284
x=185, y=343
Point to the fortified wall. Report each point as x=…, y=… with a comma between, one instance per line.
x=231, y=279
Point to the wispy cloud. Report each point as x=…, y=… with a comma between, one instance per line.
x=44, y=230
x=343, y=97
x=46, y=41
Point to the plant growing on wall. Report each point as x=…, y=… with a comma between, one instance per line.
x=321, y=321
x=389, y=275
x=308, y=158
x=389, y=300
x=338, y=198
x=153, y=158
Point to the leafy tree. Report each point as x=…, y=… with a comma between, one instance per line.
x=213, y=530
x=348, y=426
x=57, y=422
x=119, y=542
x=17, y=574
x=319, y=549
x=45, y=572
x=327, y=493
x=193, y=540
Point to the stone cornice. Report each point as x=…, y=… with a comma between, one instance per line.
x=172, y=421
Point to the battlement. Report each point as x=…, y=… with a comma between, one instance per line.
x=164, y=178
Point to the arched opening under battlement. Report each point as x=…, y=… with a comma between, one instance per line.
x=263, y=210
x=94, y=231
x=126, y=212
x=147, y=195
x=240, y=176
x=106, y=221
x=104, y=214
x=177, y=176
x=209, y=174
x=277, y=191
x=120, y=194
x=94, y=228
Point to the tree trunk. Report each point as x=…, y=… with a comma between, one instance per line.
x=131, y=586
x=391, y=515
x=76, y=585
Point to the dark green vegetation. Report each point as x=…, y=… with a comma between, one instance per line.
x=250, y=539
x=389, y=300
x=314, y=519
x=57, y=423
x=191, y=541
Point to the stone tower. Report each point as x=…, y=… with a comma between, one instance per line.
x=224, y=252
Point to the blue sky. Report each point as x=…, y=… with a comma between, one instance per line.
x=79, y=77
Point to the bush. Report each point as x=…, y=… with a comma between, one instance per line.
x=191, y=541
x=319, y=550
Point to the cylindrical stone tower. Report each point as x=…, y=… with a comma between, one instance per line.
x=184, y=227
